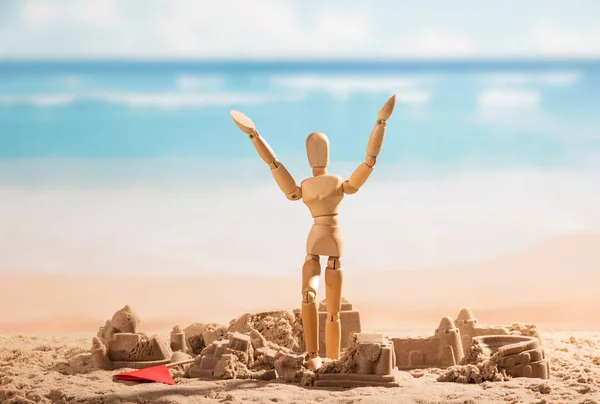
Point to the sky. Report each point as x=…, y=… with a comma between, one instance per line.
x=283, y=29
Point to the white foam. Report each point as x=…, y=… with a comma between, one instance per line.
x=251, y=227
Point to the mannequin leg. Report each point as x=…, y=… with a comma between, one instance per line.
x=333, y=297
x=311, y=272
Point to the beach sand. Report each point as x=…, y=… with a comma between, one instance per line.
x=46, y=368
x=47, y=322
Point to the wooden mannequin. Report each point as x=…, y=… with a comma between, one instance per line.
x=322, y=193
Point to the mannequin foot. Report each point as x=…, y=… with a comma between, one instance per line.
x=313, y=361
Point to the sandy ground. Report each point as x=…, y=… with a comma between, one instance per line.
x=45, y=368
x=554, y=285
x=47, y=322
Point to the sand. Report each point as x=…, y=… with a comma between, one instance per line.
x=54, y=369
x=47, y=323
x=554, y=285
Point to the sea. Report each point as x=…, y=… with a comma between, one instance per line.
x=109, y=166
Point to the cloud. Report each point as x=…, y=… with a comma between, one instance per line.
x=553, y=39
x=143, y=99
x=513, y=102
x=176, y=100
x=408, y=89
x=515, y=108
x=72, y=81
x=509, y=99
x=187, y=82
x=276, y=30
x=521, y=111
x=181, y=29
x=436, y=42
x=552, y=79
x=273, y=29
x=198, y=91
x=51, y=100
x=39, y=100
x=39, y=14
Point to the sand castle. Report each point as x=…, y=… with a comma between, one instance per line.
x=499, y=357
x=520, y=356
x=270, y=345
x=443, y=349
x=119, y=344
x=277, y=351
x=233, y=357
x=259, y=346
x=198, y=336
x=368, y=361
x=454, y=343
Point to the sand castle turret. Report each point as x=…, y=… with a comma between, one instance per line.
x=467, y=324
x=450, y=349
x=125, y=321
x=178, y=342
x=100, y=359
x=446, y=326
x=465, y=317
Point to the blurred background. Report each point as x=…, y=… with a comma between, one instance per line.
x=118, y=154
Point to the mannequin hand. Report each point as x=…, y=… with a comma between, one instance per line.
x=386, y=111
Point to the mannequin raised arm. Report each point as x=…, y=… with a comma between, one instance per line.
x=363, y=171
x=284, y=179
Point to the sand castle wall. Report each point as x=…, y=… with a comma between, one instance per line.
x=441, y=350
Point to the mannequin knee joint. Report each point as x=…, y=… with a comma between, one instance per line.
x=310, y=257
x=334, y=263
x=308, y=296
x=334, y=317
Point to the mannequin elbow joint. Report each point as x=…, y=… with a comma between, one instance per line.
x=371, y=161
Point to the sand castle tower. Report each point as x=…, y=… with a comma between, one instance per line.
x=125, y=321
x=450, y=348
x=467, y=324
x=465, y=318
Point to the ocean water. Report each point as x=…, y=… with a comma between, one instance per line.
x=533, y=113
x=137, y=166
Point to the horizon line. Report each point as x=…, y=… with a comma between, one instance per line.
x=305, y=60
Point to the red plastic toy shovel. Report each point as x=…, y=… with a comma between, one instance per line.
x=159, y=373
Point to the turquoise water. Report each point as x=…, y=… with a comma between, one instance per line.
x=540, y=113
x=90, y=153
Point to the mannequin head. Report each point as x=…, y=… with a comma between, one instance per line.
x=317, y=150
